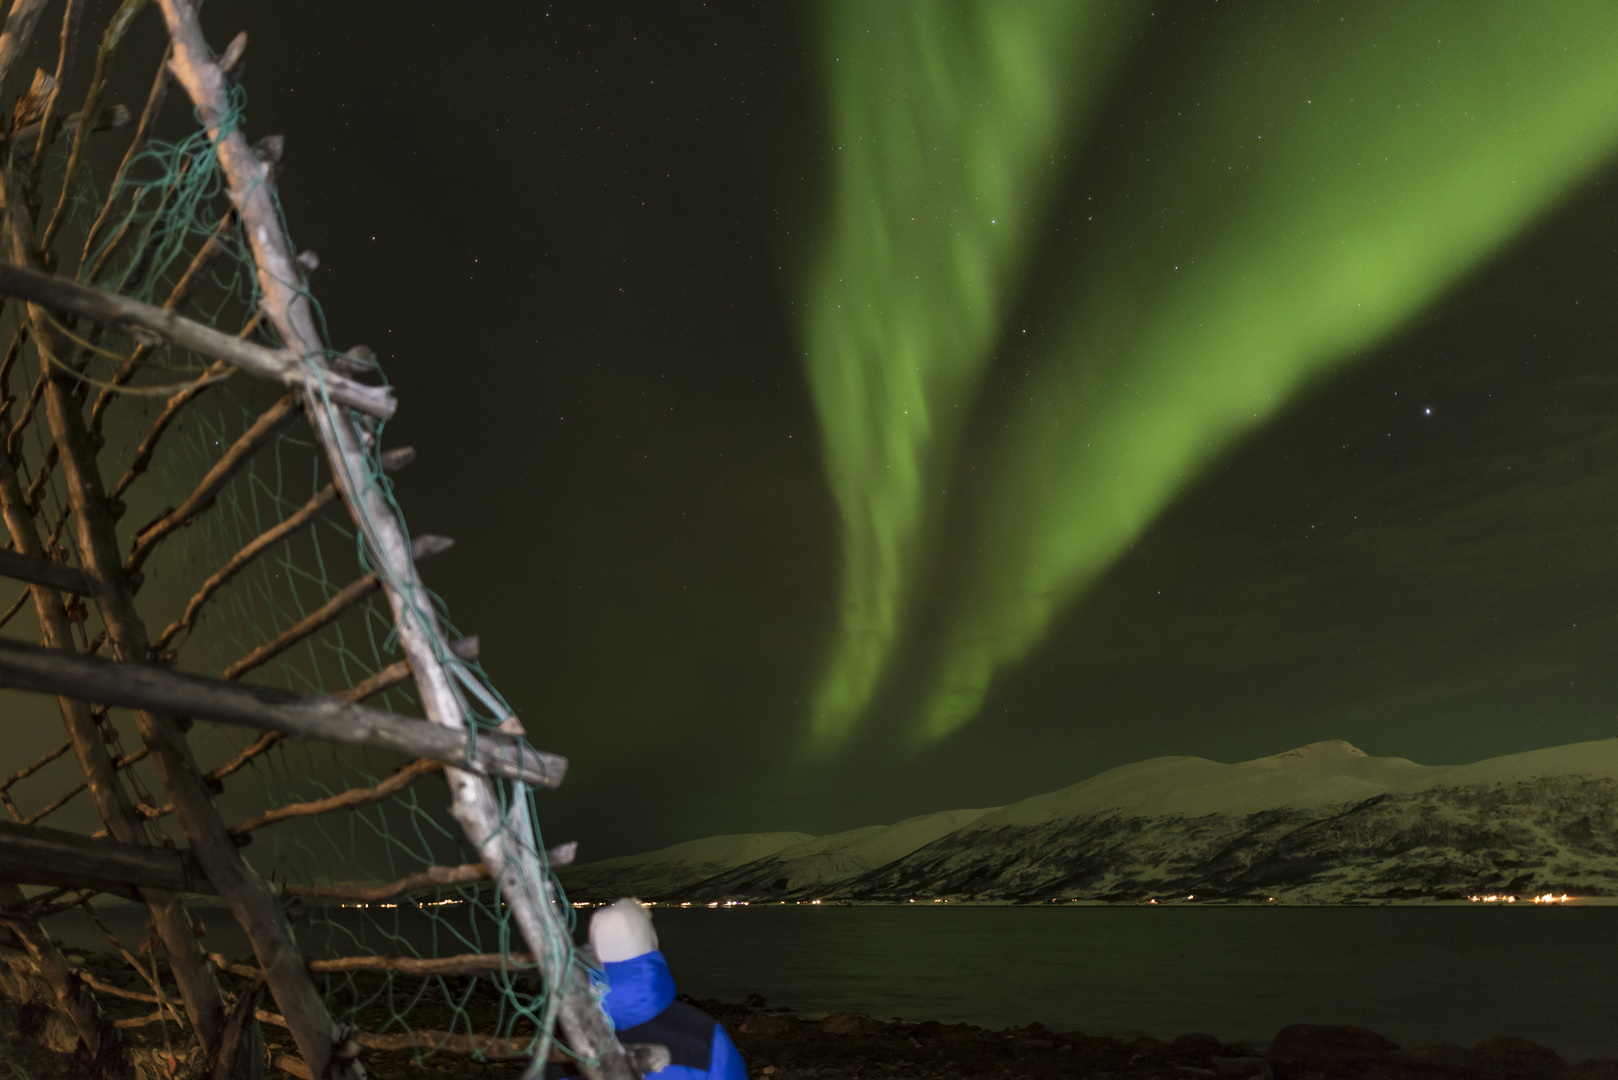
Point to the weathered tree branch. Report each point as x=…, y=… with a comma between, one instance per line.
x=423, y=547
x=140, y=320
x=85, y=120
x=344, y=800
x=194, y=272
x=266, y=427
x=143, y=453
x=51, y=807
x=29, y=770
x=432, y=877
x=386, y=679
x=147, y=686
x=392, y=461
x=148, y=117
x=465, y=964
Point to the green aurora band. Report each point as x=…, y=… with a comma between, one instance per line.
x=944, y=116
x=1315, y=180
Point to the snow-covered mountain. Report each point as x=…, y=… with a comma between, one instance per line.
x=1324, y=823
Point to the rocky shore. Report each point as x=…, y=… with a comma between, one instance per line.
x=36, y=1044
x=852, y=1046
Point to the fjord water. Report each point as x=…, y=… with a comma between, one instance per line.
x=1415, y=974
x=1418, y=975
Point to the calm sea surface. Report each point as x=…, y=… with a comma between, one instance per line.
x=1416, y=974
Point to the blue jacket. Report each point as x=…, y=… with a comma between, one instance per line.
x=640, y=1001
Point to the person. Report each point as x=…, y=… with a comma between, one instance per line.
x=640, y=999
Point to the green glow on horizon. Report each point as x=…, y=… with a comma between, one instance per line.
x=1319, y=193
x=946, y=119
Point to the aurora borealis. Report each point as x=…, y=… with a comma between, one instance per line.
x=945, y=118
x=1292, y=205
x=1184, y=280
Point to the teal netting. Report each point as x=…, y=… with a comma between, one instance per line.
x=163, y=211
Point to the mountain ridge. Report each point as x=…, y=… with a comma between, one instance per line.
x=1321, y=823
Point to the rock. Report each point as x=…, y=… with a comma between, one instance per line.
x=1242, y=1066
x=1026, y=1047
x=1592, y=1070
x=848, y=1023
x=925, y=1031
x=756, y=1001
x=1327, y=1044
x=1198, y=1044
x=1519, y=1059
x=1443, y=1057
x=765, y=1024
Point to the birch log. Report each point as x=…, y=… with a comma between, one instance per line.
x=501, y=832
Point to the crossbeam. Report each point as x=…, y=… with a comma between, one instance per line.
x=35, y=855
x=324, y=719
x=146, y=320
x=38, y=571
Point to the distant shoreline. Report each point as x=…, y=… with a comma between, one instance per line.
x=715, y=905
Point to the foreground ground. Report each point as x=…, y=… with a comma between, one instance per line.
x=846, y=1046
x=850, y=1046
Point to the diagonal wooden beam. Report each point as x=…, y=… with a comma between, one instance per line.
x=136, y=685
x=355, y=592
x=430, y=878
x=266, y=427
x=198, y=986
x=392, y=461
x=345, y=800
x=147, y=321
x=506, y=841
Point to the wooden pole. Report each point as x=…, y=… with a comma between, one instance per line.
x=328, y=719
x=248, y=895
x=501, y=833
x=198, y=987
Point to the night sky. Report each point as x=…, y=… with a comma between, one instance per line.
x=589, y=242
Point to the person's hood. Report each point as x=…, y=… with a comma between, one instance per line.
x=638, y=989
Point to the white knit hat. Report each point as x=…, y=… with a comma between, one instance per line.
x=622, y=931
